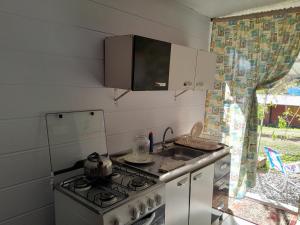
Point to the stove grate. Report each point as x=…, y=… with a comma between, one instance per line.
x=119, y=187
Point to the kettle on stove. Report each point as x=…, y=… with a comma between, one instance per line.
x=97, y=166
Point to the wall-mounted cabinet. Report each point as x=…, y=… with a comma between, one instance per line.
x=205, y=70
x=191, y=69
x=137, y=63
x=141, y=64
x=182, y=67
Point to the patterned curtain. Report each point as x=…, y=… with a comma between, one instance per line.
x=252, y=54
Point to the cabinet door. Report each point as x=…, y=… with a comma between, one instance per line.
x=177, y=201
x=201, y=196
x=151, y=64
x=205, y=70
x=182, y=67
x=118, y=61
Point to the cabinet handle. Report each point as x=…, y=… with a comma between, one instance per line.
x=199, y=84
x=224, y=166
x=160, y=84
x=187, y=83
x=197, y=177
x=182, y=182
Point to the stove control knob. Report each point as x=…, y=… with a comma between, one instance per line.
x=150, y=203
x=143, y=208
x=135, y=214
x=158, y=199
x=116, y=222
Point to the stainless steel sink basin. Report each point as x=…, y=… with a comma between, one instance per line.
x=181, y=153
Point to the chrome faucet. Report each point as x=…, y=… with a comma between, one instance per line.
x=164, y=137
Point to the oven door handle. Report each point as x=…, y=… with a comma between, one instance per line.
x=150, y=220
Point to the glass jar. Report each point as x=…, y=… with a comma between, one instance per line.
x=141, y=148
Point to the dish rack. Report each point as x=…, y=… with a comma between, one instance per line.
x=198, y=143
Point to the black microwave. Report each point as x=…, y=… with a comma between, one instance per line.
x=137, y=63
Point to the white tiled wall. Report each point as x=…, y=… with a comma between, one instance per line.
x=51, y=59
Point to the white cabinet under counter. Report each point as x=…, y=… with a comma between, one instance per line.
x=189, y=198
x=177, y=200
x=201, y=193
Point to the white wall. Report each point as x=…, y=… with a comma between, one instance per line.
x=51, y=59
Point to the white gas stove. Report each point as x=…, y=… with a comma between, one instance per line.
x=126, y=197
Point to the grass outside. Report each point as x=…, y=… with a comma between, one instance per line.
x=290, y=149
x=292, y=133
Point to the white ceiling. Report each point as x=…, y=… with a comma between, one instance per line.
x=219, y=8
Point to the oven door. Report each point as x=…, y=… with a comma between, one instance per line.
x=157, y=217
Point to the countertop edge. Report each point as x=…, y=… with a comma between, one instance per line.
x=191, y=166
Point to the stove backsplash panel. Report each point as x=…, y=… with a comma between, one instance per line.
x=74, y=135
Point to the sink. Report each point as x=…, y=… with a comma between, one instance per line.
x=181, y=153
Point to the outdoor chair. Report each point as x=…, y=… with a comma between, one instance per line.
x=276, y=163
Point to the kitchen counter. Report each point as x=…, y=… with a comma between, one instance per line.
x=190, y=166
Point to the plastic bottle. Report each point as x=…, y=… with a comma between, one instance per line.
x=151, y=142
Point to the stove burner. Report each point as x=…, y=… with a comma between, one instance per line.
x=105, y=199
x=106, y=196
x=104, y=192
x=139, y=183
x=82, y=184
